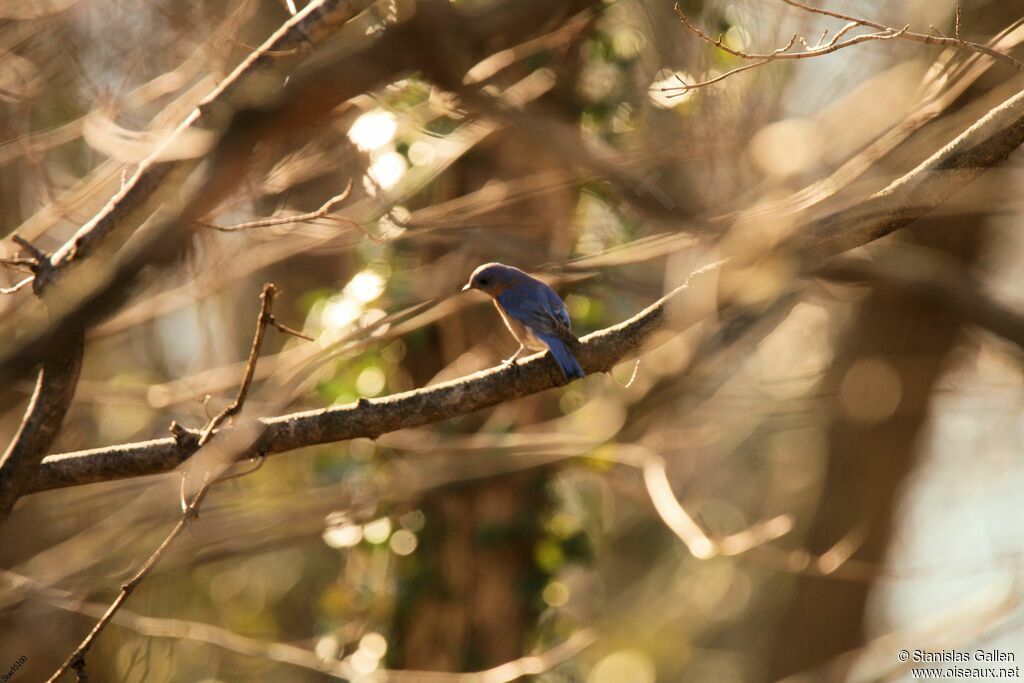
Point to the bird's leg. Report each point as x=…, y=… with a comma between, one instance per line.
x=511, y=360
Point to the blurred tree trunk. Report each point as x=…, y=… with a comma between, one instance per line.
x=869, y=462
x=470, y=602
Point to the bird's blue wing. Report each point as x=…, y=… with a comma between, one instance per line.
x=557, y=307
x=540, y=309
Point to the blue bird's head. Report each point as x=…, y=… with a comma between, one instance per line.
x=494, y=278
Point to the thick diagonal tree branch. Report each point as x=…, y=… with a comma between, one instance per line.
x=985, y=144
x=372, y=417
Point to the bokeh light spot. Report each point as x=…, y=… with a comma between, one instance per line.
x=378, y=530
x=789, y=147
x=371, y=381
x=870, y=391
x=366, y=286
x=623, y=666
x=373, y=130
x=556, y=594
x=387, y=169
x=343, y=535
x=403, y=542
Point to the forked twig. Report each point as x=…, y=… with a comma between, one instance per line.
x=265, y=318
x=925, y=38
x=821, y=48
x=76, y=660
x=782, y=53
x=38, y=255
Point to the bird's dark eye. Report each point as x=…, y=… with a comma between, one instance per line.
x=482, y=281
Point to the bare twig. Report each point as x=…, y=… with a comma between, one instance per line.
x=989, y=141
x=957, y=42
x=310, y=95
x=679, y=521
x=292, y=655
x=820, y=48
x=284, y=329
x=17, y=286
x=262, y=320
x=939, y=93
x=190, y=510
x=38, y=255
x=322, y=212
x=76, y=660
x=784, y=52
x=316, y=22
x=18, y=262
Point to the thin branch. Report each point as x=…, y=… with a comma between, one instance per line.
x=927, y=39
x=528, y=665
x=672, y=513
x=292, y=655
x=284, y=329
x=937, y=95
x=38, y=255
x=316, y=22
x=322, y=212
x=76, y=660
x=17, y=286
x=310, y=95
x=266, y=304
x=985, y=144
x=18, y=262
x=784, y=52
x=818, y=50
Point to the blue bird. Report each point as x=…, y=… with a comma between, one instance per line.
x=532, y=311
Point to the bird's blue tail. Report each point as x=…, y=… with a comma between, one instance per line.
x=563, y=356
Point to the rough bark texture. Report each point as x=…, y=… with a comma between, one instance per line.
x=50, y=401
